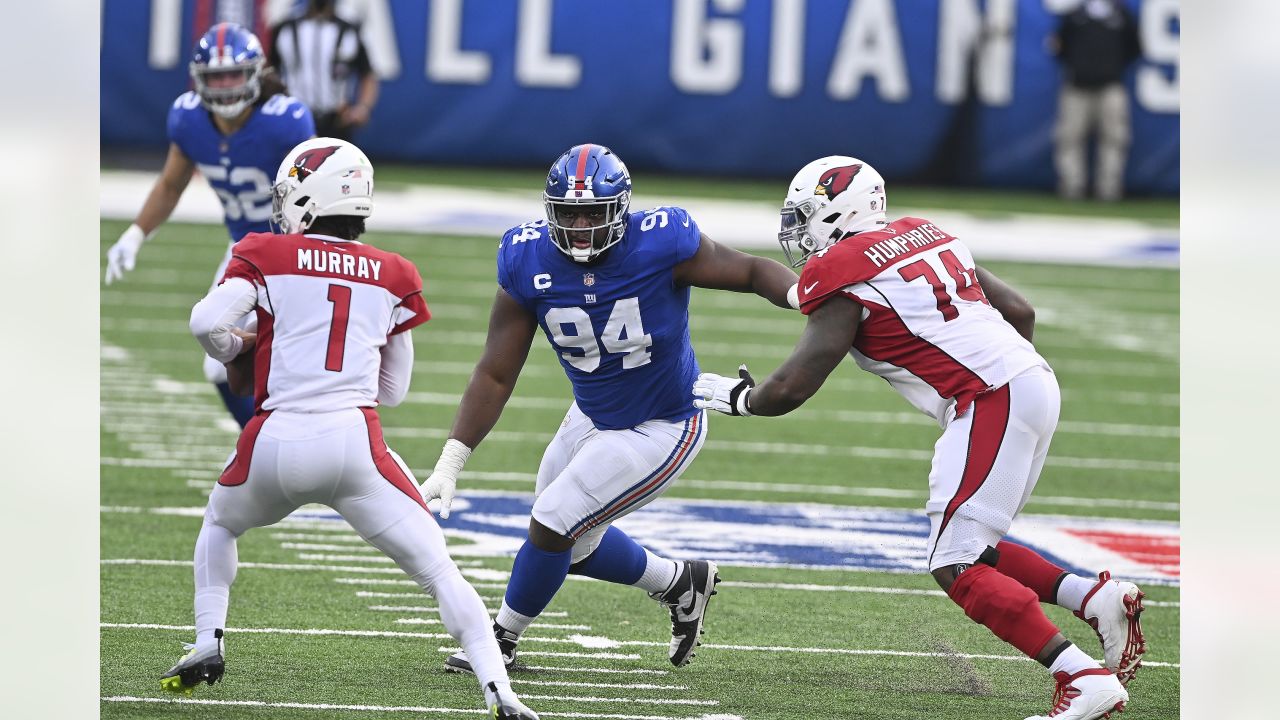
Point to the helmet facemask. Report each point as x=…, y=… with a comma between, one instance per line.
x=222, y=98
x=794, y=235
x=595, y=224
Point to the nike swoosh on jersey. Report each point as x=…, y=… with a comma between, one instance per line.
x=810, y=288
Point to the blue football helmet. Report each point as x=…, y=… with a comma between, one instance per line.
x=227, y=68
x=587, y=196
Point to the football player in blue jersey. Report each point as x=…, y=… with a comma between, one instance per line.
x=235, y=127
x=610, y=290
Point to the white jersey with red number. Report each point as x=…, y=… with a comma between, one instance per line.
x=927, y=328
x=325, y=309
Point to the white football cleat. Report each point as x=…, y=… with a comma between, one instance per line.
x=503, y=704
x=1087, y=695
x=1113, y=608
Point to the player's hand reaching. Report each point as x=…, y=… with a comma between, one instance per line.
x=724, y=394
x=443, y=482
x=123, y=255
x=249, y=338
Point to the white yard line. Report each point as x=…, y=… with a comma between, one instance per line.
x=542, y=626
x=381, y=708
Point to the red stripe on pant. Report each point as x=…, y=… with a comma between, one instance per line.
x=387, y=465
x=986, y=434
x=238, y=471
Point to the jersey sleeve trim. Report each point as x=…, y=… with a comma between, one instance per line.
x=411, y=312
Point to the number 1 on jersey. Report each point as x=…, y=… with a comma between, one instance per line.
x=340, y=296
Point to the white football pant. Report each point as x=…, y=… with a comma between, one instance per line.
x=986, y=464
x=588, y=478
x=284, y=460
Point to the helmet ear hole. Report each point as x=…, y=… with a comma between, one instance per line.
x=302, y=201
x=831, y=218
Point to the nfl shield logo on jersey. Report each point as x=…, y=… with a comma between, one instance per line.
x=588, y=279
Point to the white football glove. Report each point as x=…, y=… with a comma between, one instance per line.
x=123, y=255
x=443, y=482
x=724, y=394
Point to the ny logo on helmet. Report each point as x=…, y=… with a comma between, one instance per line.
x=836, y=180
x=310, y=161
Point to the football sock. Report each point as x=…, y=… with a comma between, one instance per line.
x=215, y=570
x=465, y=618
x=511, y=620
x=241, y=408
x=660, y=574
x=1072, y=591
x=1072, y=660
x=536, y=575
x=1029, y=568
x=1005, y=606
x=617, y=559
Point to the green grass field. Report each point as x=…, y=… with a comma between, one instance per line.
x=773, y=652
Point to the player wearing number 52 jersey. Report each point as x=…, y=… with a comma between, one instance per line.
x=907, y=302
x=610, y=290
x=235, y=128
x=332, y=343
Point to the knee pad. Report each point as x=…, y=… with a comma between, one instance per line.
x=1005, y=606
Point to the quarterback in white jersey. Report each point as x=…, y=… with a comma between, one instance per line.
x=907, y=302
x=334, y=317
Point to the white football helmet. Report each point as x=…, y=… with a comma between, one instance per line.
x=829, y=198
x=321, y=176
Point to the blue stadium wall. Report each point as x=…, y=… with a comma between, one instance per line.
x=941, y=91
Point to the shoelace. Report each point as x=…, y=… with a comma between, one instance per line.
x=1062, y=697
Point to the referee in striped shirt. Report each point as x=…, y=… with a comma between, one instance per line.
x=321, y=58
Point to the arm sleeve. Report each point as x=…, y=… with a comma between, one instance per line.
x=213, y=317
x=396, y=370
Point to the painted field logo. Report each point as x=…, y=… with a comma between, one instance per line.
x=823, y=536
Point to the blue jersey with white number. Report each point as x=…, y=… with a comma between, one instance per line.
x=620, y=326
x=241, y=166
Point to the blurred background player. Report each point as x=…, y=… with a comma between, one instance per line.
x=333, y=342
x=321, y=57
x=235, y=128
x=610, y=289
x=955, y=341
x=1095, y=44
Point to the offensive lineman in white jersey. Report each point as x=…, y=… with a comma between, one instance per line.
x=333, y=341
x=908, y=303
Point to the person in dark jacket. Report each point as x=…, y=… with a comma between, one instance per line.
x=1095, y=44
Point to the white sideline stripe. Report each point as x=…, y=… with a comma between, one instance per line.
x=1154, y=366
x=410, y=583
x=256, y=566
x=642, y=701
x=374, y=559
x=614, y=686
x=318, y=546
x=551, y=653
x=876, y=417
x=366, y=708
x=857, y=451
x=349, y=537
x=607, y=671
x=546, y=626
x=851, y=651
x=860, y=383
x=809, y=587
x=286, y=631
x=431, y=609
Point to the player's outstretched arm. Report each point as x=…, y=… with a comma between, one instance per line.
x=511, y=330
x=159, y=205
x=826, y=339
x=1013, y=307
x=719, y=267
